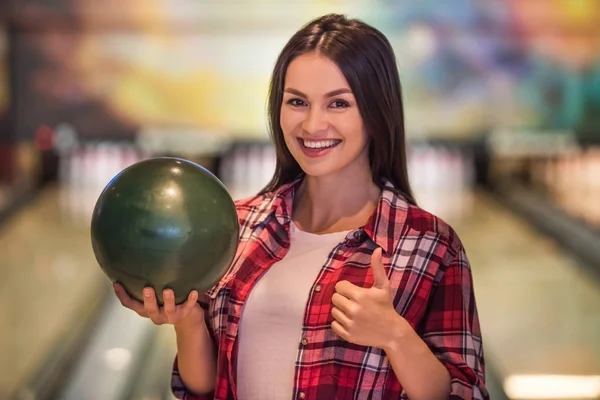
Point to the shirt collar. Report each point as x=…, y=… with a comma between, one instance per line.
x=388, y=222
x=384, y=227
x=278, y=203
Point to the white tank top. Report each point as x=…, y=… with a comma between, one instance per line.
x=271, y=322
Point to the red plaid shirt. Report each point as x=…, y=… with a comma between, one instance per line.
x=431, y=283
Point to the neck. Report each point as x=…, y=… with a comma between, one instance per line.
x=335, y=203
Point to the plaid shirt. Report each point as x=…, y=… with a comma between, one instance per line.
x=431, y=283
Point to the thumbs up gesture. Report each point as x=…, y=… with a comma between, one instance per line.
x=366, y=316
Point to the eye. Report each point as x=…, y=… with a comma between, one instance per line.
x=340, y=104
x=296, y=102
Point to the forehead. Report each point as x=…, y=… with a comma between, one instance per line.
x=314, y=74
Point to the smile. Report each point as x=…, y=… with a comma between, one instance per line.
x=318, y=148
x=319, y=145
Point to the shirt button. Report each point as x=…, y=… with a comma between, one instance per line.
x=339, y=252
x=304, y=341
x=318, y=288
x=301, y=395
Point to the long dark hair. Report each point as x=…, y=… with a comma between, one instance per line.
x=367, y=60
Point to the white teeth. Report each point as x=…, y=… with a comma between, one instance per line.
x=319, y=145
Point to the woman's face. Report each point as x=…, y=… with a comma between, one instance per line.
x=321, y=123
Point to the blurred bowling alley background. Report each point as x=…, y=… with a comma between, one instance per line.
x=503, y=121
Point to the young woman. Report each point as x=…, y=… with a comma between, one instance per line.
x=342, y=288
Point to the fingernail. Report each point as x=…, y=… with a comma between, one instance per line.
x=147, y=292
x=167, y=295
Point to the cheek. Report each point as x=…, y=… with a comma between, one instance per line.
x=287, y=122
x=353, y=130
x=364, y=136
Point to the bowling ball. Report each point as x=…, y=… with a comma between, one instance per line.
x=165, y=223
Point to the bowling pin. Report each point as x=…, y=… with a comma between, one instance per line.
x=116, y=162
x=457, y=181
x=102, y=165
x=64, y=168
x=225, y=173
x=75, y=168
x=269, y=163
x=253, y=170
x=414, y=159
x=239, y=186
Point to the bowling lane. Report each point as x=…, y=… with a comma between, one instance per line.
x=50, y=281
x=539, y=308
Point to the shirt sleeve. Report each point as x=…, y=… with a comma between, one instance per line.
x=178, y=388
x=451, y=330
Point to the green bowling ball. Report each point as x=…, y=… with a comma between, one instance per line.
x=165, y=223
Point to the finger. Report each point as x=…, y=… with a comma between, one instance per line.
x=122, y=296
x=380, y=279
x=128, y=302
x=340, y=330
x=169, y=304
x=347, y=289
x=190, y=303
x=341, y=317
x=151, y=306
x=343, y=303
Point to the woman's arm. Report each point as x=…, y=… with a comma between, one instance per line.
x=444, y=359
x=422, y=375
x=195, y=367
x=196, y=359
x=449, y=337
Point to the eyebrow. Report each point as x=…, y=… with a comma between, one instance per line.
x=328, y=94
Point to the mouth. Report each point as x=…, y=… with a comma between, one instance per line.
x=318, y=148
x=319, y=144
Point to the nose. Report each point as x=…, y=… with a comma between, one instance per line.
x=315, y=121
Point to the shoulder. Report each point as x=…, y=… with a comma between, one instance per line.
x=253, y=203
x=404, y=220
x=420, y=223
x=251, y=210
x=432, y=245
x=254, y=209
x=449, y=244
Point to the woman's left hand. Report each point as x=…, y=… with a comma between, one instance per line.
x=367, y=317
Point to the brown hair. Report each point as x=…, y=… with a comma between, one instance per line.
x=367, y=60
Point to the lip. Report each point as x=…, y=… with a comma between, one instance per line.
x=314, y=153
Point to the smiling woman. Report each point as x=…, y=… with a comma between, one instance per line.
x=342, y=287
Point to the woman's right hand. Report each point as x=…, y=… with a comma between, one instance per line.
x=186, y=315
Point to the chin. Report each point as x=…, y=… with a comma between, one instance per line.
x=318, y=171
